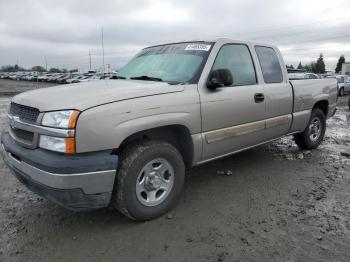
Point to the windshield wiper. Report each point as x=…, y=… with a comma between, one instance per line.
x=147, y=78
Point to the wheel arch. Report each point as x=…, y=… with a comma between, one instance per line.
x=323, y=105
x=177, y=135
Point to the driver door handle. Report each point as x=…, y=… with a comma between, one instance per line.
x=259, y=97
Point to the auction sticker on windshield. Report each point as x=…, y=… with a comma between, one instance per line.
x=197, y=47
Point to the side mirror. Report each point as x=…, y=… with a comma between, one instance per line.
x=219, y=78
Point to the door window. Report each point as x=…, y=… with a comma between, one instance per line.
x=238, y=60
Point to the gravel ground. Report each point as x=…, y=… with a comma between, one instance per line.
x=271, y=203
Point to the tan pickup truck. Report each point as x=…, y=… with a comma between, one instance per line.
x=127, y=142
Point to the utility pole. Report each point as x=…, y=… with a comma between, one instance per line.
x=45, y=63
x=90, y=58
x=103, y=51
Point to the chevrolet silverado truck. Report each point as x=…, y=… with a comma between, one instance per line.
x=126, y=143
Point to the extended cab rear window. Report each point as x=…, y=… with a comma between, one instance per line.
x=269, y=64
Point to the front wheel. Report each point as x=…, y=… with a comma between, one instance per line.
x=314, y=133
x=149, y=180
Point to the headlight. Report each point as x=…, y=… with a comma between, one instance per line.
x=61, y=119
x=58, y=144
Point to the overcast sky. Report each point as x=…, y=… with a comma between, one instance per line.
x=64, y=31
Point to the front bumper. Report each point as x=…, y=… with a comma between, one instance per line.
x=77, y=182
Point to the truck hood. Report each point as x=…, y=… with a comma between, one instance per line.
x=82, y=96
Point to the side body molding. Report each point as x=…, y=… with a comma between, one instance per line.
x=240, y=130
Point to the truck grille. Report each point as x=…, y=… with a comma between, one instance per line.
x=25, y=113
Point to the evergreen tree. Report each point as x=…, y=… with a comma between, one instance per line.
x=300, y=66
x=319, y=66
x=340, y=63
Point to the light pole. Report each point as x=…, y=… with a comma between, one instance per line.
x=103, y=51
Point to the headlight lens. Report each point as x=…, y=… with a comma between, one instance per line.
x=58, y=144
x=60, y=119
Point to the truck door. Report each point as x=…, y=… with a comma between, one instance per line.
x=278, y=93
x=233, y=117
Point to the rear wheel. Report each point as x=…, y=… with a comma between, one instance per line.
x=341, y=92
x=149, y=181
x=313, y=135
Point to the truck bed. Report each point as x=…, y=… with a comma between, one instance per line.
x=307, y=91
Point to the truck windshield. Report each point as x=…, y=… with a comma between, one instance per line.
x=173, y=63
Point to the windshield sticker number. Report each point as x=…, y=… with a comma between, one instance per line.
x=197, y=47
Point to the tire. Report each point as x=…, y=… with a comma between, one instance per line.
x=313, y=135
x=341, y=92
x=138, y=192
x=349, y=103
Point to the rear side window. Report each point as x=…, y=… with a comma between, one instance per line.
x=269, y=64
x=238, y=60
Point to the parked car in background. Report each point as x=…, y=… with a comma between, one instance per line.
x=44, y=77
x=4, y=75
x=343, y=84
x=311, y=76
x=60, y=78
x=74, y=79
x=298, y=76
x=63, y=79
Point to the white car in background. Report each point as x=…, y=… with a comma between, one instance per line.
x=90, y=78
x=311, y=76
x=343, y=84
x=299, y=76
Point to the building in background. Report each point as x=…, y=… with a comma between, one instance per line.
x=345, y=69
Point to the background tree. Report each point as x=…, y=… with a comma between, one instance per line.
x=319, y=67
x=309, y=67
x=54, y=70
x=340, y=63
x=300, y=66
x=38, y=69
x=11, y=68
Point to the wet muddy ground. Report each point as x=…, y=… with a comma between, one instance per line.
x=271, y=203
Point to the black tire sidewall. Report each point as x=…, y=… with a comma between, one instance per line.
x=136, y=209
x=314, y=144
